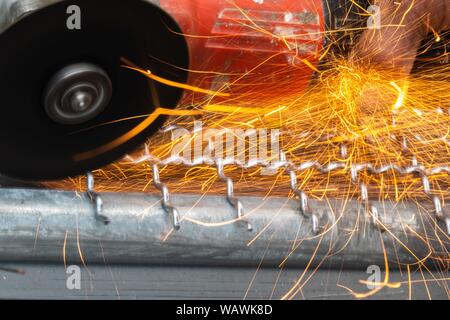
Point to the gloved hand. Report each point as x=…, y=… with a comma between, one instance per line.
x=404, y=25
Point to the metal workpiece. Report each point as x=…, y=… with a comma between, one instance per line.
x=61, y=227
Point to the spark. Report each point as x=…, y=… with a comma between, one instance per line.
x=171, y=83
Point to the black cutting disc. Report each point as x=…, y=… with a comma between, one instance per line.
x=35, y=147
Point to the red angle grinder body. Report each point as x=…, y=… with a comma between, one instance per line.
x=250, y=46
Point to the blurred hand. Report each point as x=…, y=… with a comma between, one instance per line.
x=404, y=25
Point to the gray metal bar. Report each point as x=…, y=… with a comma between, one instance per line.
x=49, y=281
x=50, y=226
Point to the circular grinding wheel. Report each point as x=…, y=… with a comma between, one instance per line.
x=39, y=55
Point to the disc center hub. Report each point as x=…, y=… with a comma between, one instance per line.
x=77, y=94
x=81, y=101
